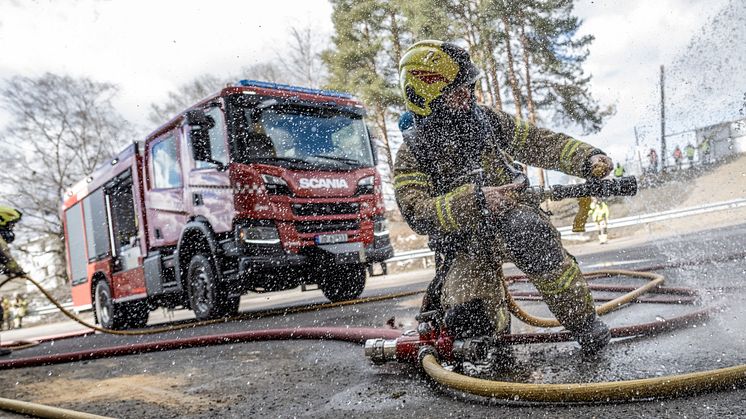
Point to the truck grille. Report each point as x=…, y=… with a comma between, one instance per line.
x=326, y=226
x=330, y=208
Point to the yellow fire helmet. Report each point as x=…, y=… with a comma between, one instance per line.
x=8, y=216
x=430, y=69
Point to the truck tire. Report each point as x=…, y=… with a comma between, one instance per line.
x=119, y=316
x=343, y=282
x=208, y=297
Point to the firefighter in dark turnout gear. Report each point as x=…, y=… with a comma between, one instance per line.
x=8, y=219
x=455, y=181
x=8, y=266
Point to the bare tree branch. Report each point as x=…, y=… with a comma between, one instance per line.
x=61, y=129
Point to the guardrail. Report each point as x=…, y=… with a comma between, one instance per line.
x=411, y=254
x=565, y=231
x=617, y=223
x=49, y=309
x=661, y=216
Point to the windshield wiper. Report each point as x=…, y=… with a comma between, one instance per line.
x=292, y=160
x=282, y=158
x=351, y=162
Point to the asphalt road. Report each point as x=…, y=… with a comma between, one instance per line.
x=333, y=379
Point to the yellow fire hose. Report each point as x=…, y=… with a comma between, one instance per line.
x=606, y=392
x=618, y=391
x=603, y=392
x=43, y=411
x=615, y=304
x=153, y=331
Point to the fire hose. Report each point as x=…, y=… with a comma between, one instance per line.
x=553, y=393
x=599, y=392
x=410, y=347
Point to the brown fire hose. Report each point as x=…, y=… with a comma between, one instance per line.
x=599, y=392
x=605, y=308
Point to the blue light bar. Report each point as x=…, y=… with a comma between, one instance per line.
x=279, y=86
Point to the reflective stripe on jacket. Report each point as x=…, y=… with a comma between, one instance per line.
x=432, y=208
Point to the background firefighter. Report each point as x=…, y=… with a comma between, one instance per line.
x=599, y=213
x=8, y=266
x=455, y=181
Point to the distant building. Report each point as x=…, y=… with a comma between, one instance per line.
x=36, y=258
x=726, y=139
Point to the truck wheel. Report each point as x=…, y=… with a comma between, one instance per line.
x=118, y=316
x=344, y=282
x=104, y=304
x=208, y=298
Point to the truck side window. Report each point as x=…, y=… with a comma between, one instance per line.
x=165, y=161
x=76, y=244
x=96, y=225
x=215, y=139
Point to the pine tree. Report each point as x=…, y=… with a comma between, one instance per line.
x=553, y=57
x=367, y=44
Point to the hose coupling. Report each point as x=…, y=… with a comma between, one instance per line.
x=424, y=351
x=472, y=349
x=380, y=350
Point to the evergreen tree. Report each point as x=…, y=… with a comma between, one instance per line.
x=553, y=57
x=364, y=60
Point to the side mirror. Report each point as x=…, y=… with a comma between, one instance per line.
x=373, y=144
x=198, y=120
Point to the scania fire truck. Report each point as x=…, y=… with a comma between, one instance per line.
x=260, y=187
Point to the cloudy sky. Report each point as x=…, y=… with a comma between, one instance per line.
x=150, y=47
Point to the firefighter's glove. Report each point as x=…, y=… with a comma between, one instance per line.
x=500, y=199
x=600, y=166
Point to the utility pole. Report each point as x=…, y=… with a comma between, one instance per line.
x=663, y=123
x=637, y=137
x=637, y=149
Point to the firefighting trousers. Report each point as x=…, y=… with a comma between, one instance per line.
x=525, y=237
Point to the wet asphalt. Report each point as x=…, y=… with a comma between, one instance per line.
x=333, y=379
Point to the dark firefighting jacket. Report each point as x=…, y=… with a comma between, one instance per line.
x=443, y=163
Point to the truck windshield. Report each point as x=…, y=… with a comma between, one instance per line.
x=307, y=136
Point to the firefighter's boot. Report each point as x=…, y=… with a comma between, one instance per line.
x=566, y=293
x=594, y=336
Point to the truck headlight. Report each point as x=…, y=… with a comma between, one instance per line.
x=365, y=185
x=259, y=235
x=380, y=227
x=275, y=185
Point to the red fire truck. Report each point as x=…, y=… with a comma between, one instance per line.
x=260, y=187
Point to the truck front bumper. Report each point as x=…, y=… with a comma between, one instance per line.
x=270, y=262
x=343, y=253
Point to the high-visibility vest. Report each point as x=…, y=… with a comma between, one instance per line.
x=689, y=151
x=619, y=171
x=599, y=212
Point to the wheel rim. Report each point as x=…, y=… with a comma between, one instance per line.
x=201, y=295
x=103, y=304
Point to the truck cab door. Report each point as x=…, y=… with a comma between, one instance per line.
x=164, y=197
x=208, y=189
